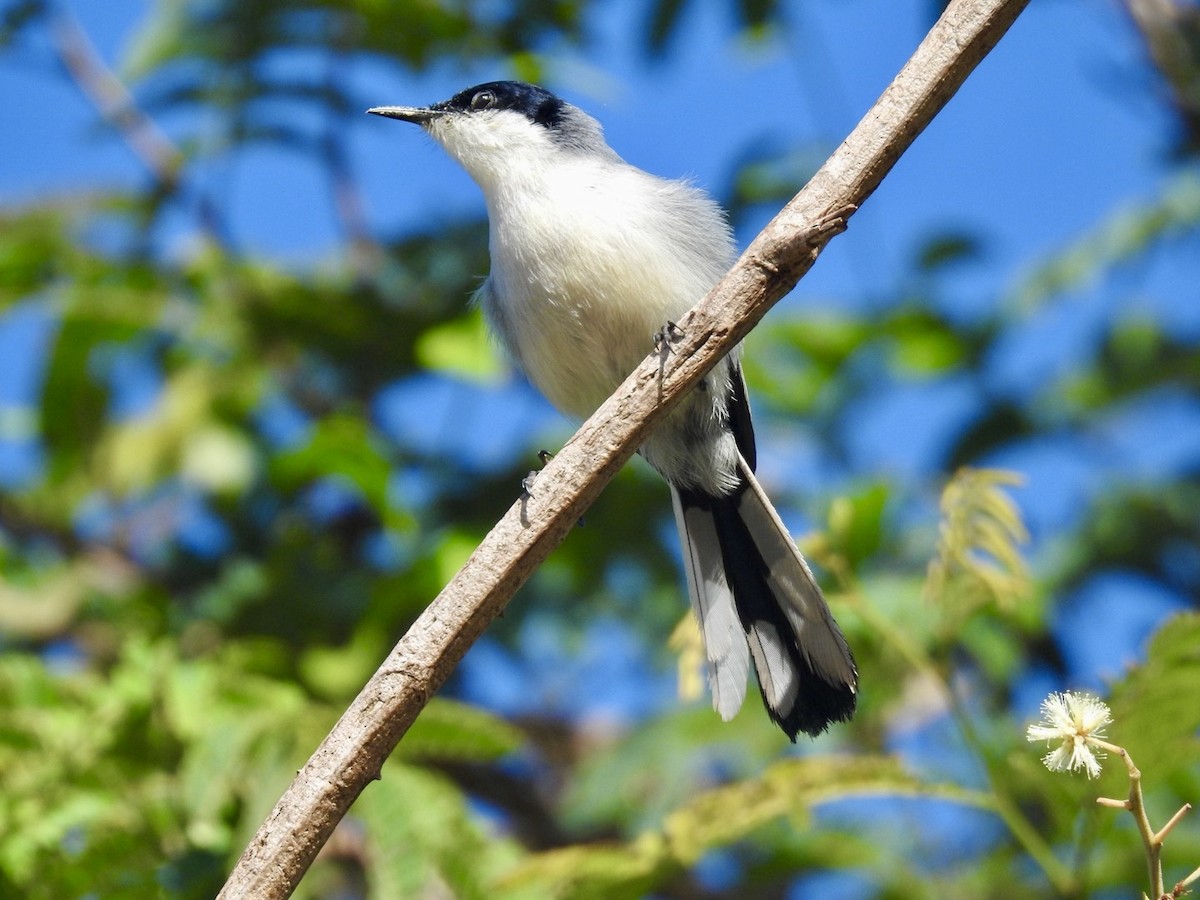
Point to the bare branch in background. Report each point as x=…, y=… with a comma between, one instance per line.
x=347, y=200
x=1171, y=31
x=119, y=109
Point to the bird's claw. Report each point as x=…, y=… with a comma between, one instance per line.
x=669, y=334
x=544, y=456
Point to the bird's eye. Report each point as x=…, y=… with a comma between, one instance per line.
x=483, y=100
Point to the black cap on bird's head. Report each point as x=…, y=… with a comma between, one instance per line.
x=535, y=103
x=499, y=114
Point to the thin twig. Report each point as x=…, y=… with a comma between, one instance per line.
x=116, y=105
x=365, y=254
x=1137, y=808
x=352, y=754
x=1182, y=886
x=113, y=100
x=1174, y=820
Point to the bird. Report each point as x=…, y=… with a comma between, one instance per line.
x=591, y=258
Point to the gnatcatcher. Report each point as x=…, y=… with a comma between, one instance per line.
x=591, y=258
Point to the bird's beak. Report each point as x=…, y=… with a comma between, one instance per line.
x=417, y=114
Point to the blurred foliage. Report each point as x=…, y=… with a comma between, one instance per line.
x=1124, y=237
x=977, y=557
x=202, y=572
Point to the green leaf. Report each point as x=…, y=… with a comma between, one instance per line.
x=1156, y=705
x=978, y=557
x=34, y=247
x=595, y=871
x=947, y=249
x=788, y=789
x=927, y=352
x=827, y=338
x=655, y=768
x=342, y=445
x=922, y=343
x=856, y=524
x=460, y=347
x=423, y=841
x=664, y=19
x=449, y=730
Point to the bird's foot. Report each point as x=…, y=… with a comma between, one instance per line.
x=666, y=336
x=544, y=456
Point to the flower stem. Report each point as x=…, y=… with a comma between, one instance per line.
x=1137, y=807
x=1179, y=888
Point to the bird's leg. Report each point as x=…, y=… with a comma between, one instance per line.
x=544, y=456
x=669, y=334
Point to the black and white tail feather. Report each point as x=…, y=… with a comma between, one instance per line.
x=756, y=600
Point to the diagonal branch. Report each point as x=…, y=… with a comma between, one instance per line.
x=116, y=105
x=353, y=753
x=113, y=100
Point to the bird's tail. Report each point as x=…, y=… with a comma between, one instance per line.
x=756, y=599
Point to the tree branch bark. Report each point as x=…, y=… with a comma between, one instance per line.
x=353, y=753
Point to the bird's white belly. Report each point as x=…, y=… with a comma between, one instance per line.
x=585, y=272
x=583, y=312
x=579, y=342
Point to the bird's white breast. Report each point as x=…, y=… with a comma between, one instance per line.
x=588, y=264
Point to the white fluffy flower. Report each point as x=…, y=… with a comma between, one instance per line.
x=1075, y=722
